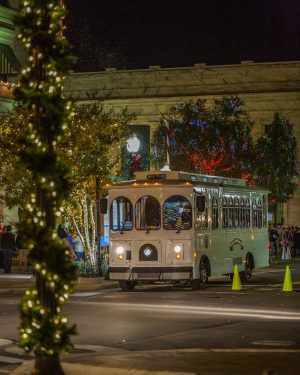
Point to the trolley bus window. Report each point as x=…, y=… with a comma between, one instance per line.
x=254, y=214
x=228, y=210
x=215, y=213
x=177, y=213
x=201, y=212
x=247, y=212
x=265, y=216
x=147, y=213
x=259, y=213
x=243, y=214
x=236, y=221
x=121, y=214
x=225, y=212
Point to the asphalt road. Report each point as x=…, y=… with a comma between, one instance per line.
x=157, y=327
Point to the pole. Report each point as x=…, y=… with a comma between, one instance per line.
x=98, y=224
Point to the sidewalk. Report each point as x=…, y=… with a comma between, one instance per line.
x=14, y=282
x=277, y=260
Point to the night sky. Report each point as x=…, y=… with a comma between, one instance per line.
x=130, y=34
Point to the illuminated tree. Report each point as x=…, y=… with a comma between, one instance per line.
x=212, y=140
x=276, y=160
x=43, y=329
x=15, y=179
x=90, y=150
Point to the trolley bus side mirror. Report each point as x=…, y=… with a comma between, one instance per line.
x=103, y=205
x=200, y=203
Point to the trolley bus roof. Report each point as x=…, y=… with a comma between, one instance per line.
x=154, y=178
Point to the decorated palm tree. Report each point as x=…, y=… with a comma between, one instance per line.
x=43, y=329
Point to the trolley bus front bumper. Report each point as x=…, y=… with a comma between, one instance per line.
x=149, y=273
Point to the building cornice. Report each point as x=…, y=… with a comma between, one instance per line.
x=199, y=80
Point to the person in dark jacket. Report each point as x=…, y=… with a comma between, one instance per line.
x=297, y=241
x=8, y=245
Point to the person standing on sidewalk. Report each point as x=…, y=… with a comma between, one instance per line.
x=78, y=247
x=290, y=237
x=286, y=254
x=273, y=236
x=8, y=246
x=297, y=241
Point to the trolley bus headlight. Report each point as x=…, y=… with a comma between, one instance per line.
x=177, y=249
x=120, y=250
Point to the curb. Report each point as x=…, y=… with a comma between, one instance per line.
x=79, y=369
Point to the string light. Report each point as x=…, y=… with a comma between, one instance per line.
x=42, y=329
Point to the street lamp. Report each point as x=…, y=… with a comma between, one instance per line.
x=133, y=146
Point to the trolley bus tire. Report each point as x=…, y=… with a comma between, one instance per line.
x=247, y=274
x=126, y=285
x=204, y=272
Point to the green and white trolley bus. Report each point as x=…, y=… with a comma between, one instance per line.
x=177, y=226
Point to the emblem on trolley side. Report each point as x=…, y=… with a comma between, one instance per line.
x=236, y=241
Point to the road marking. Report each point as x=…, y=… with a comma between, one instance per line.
x=232, y=350
x=274, y=343
x=11, y=360
x=201, y=310
x=18, y=277
x=85, y=294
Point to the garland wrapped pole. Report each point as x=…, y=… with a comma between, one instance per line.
x=43, y=329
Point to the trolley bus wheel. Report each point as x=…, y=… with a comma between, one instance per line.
x=247, y=274
x=126, y=285
x=204, y=271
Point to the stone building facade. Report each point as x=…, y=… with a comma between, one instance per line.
x=12, y=57
x=265, y=88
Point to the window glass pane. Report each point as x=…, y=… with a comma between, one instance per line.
x=147, y=213
x=121, y=214
x=254, y=214
x=265, y=215
x=201, y=217
x=225, y=212
x=247, y=213
x=259, y=213
x=177, y=213
x=236, y=222
x=215, y=213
